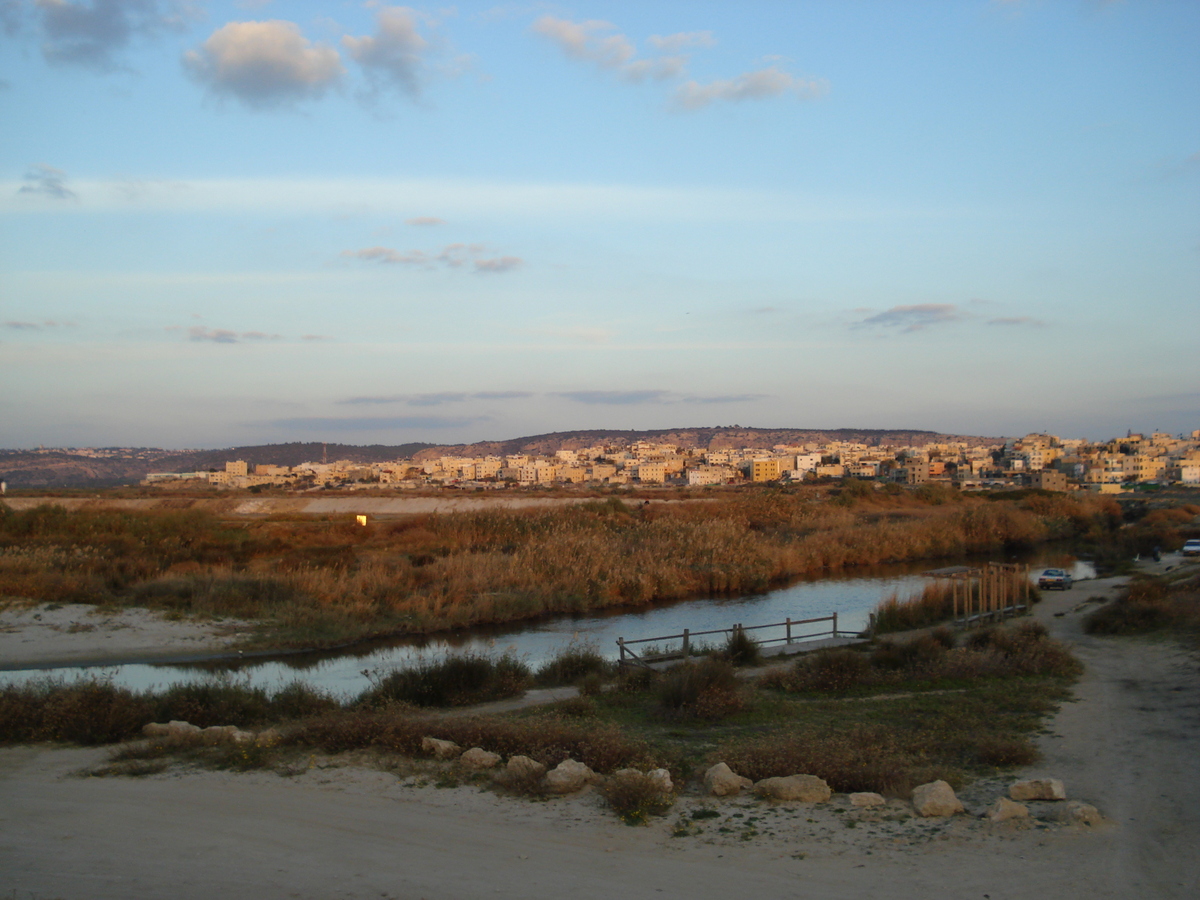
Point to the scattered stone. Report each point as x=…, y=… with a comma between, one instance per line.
x=568, y=777
x=866, y=799
x=1076, y=812
x=1038, y=789
x=935, y=799
x=806, y=788
x=478, y=758
x=522, y=768
x=440, y=749
x=721, y=781
x=662, y=779
x=1004, y=809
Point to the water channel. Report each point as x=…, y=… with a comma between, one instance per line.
x=346, y=673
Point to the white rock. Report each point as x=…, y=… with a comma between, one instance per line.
x=866, y=799
x=662, y=779
x=1038, y=789
x=156, y=729
x=935, y=799
x=568, y=777
x=1076, y=812
x=268, y=738
x=440, y=749
x=478, y=758
x=1004, y=809
x=722, y=781
x=523, y=768
x=806, y=788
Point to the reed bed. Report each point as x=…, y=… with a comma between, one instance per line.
x=323, y=582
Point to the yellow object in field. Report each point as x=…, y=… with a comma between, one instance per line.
x=362, y=520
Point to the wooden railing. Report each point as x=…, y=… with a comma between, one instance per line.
x=656, y=652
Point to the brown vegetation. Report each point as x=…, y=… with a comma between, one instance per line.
x=325, y=581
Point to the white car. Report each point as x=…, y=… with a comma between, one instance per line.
x=1191, y=548
x=1054, y=578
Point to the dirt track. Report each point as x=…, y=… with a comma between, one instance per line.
x=1128, y=745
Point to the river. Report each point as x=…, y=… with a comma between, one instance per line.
x=346, y=673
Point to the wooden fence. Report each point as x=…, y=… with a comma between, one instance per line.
x=656, y=652
x=995, y=591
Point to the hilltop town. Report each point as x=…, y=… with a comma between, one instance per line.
x=1035, y=460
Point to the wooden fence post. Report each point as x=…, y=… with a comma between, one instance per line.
x=687, y=645
x=835, y=625
x=621, y=646
x=789, y=629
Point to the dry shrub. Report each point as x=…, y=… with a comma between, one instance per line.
x=741, y=650
x=634, y=797
x=86, y=712
x=831, y=671
x=862, y=758
x=1150, y=604
x=708, y=689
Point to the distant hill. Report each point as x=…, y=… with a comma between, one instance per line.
x=67, y=468
x=55, y=468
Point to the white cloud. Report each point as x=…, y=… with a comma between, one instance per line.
x=264, y=64
x=587, y=40
x=92, y=33
x=673, y=43
x=393, y=57
x=425, y=221
x=758, y=85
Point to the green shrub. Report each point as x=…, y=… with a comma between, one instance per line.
x=708, y=689
x=572, y=664
x=453, y=681
x=740, y=649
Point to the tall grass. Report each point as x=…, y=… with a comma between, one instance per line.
x=324, y=581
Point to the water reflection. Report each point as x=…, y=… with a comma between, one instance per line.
x=346, y=673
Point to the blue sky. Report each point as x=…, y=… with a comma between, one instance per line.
x=241, y=222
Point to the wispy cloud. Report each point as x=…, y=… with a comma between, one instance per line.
x=315, y=337
x=371, y=423
x=633, y=398
x=46, y=181
x=914, y=318
x=1017, y=321
x=394, y=56
x=758, y=85
x=17, y=325
x=599, y=43
x=425, y=221
x=436, y=399
x=452, y=256
x=264, y=64
x=221, y=335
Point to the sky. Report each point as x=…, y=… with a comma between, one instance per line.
x=230, y=223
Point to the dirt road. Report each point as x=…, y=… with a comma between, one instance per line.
x=1128, y=745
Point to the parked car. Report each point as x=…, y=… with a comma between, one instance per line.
x=1054, y=578
x=1191, y=548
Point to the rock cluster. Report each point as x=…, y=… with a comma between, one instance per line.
x=176, y=730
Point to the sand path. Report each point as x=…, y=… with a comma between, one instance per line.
x=1128, y=745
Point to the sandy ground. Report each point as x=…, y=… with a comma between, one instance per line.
x=46, y=635
x=1127, y=745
